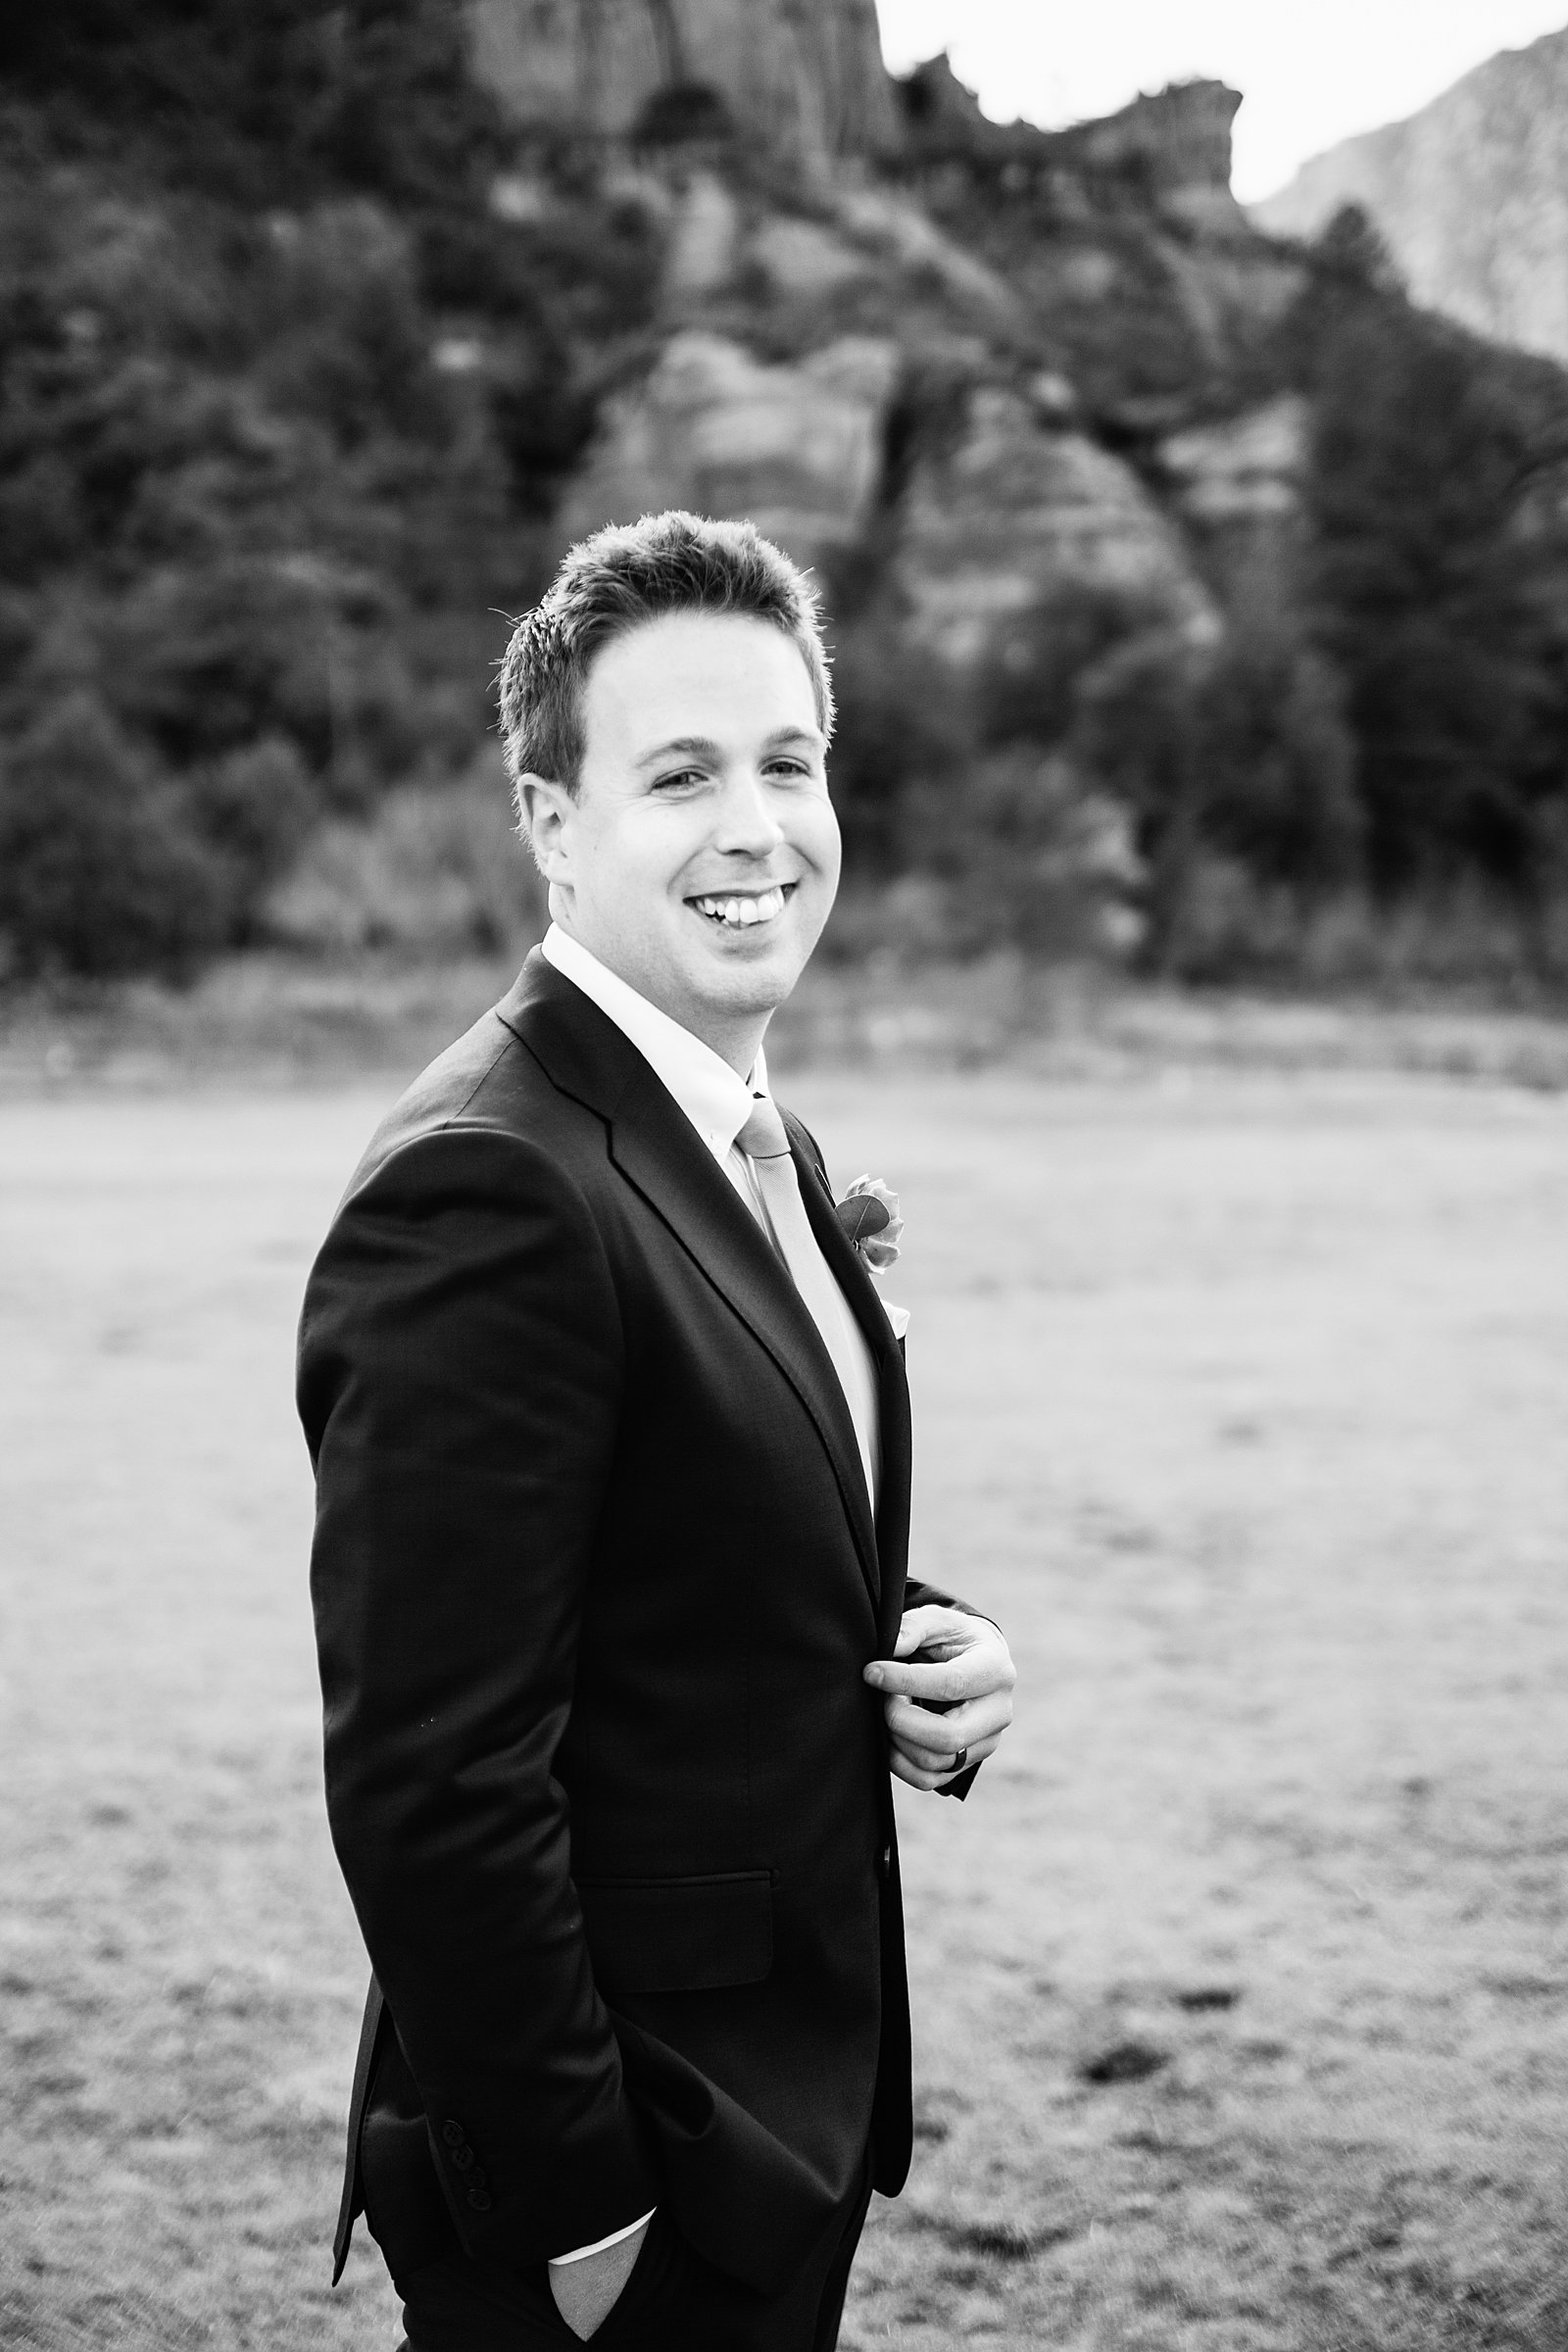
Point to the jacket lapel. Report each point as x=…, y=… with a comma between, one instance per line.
x=654, y=1146
x=850, y=1271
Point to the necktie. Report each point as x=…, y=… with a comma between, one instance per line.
x=767, y=1145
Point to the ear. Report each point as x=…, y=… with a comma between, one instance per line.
x=545, y=812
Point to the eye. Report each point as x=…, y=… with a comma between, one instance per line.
x=679, y=779
x=787, y=764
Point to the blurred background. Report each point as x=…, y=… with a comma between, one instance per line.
x=1197, y=576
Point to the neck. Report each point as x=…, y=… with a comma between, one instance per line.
x=736, y=1042
x=736, y=1037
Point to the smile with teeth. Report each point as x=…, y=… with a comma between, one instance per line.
x=738, y=911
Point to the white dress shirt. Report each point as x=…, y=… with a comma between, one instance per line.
x=719, y=1103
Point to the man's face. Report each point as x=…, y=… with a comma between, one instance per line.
x=699, y=856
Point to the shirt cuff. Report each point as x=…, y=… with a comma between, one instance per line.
x=559, y=2262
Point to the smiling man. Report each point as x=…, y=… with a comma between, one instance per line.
x=612, y=1442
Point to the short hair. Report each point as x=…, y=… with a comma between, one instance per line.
x=608, y=584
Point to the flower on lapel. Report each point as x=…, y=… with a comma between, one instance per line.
x=869, y=1214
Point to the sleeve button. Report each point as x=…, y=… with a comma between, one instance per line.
x=479, y=2200
x=452, y=2133
x=463, y=2158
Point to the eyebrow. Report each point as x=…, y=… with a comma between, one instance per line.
x=704, y=747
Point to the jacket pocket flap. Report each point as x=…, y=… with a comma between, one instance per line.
x=679, y=1934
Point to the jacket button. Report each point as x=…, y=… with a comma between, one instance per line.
x=479, y=2200
x=452, y=2134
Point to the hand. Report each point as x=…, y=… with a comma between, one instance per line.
x=957, y=1664
x=587, y=2291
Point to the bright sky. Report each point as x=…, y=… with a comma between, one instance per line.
x=1309, y=75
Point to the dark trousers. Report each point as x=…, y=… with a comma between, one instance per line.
x=673, y=2301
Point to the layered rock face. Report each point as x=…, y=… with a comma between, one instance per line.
x=803, y=76
x=863, y=380
x=796, y=449
x=1013, y=511
x=1471, y=196
x=1010, y=511
x=1178, y=142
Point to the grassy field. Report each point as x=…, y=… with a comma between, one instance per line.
x=1241, y=1982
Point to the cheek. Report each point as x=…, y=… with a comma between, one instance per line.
x=819, y=839
x=630, y=870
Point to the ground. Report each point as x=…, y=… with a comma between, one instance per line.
x=1241, y=1982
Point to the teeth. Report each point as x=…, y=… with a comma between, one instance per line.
x=741, y=913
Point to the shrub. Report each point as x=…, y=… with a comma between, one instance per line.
x=897, y=730
x=1026, y=688
x=101, y=868
x=1278, y=790
x=352, y=341
x=1032, y=857
x=1235, y=767
x=436, y=871
x=211, y=658
x=254, y=809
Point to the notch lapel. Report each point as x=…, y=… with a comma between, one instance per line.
x=850, y=1271
x=655, y=1147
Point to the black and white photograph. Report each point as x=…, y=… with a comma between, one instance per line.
x=784, y=1176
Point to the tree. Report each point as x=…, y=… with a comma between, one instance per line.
x=1440, y=579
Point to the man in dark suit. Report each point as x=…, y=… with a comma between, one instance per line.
x=612, y=1442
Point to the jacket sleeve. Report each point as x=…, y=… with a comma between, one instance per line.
x=460, y=1366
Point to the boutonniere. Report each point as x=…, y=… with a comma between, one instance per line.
x=869, y=1214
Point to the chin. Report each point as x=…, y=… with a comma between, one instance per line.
x=758, y=990
x=765, y=976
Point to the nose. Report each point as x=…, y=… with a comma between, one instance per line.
x=748, y=825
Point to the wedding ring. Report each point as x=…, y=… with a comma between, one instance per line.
x=960, y=1759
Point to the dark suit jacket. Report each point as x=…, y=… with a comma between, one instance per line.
x=595, y=1577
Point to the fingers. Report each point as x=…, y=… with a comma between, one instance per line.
x=947, y=1681
x=983, y=1665
x=922, y=1776
x=927, y=1739
x=948, y=1694
x=928, y=1625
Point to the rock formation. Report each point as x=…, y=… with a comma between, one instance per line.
x=1246, y=471
x=1013, y=512
x=861, y=377
x=796, y=449
x=805, y=78
x=1236, y=489
x=1174, y=146
x=1471, y=196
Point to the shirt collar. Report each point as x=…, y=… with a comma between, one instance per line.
x=717, y=1102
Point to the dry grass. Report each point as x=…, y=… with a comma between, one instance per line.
x=285, y=1020
x=1240, y=1982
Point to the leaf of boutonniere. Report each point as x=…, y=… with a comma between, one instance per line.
x=862, y=1216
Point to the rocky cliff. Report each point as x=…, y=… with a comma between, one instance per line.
x=955, y=376
x=1471, y=196
x=805, y=78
